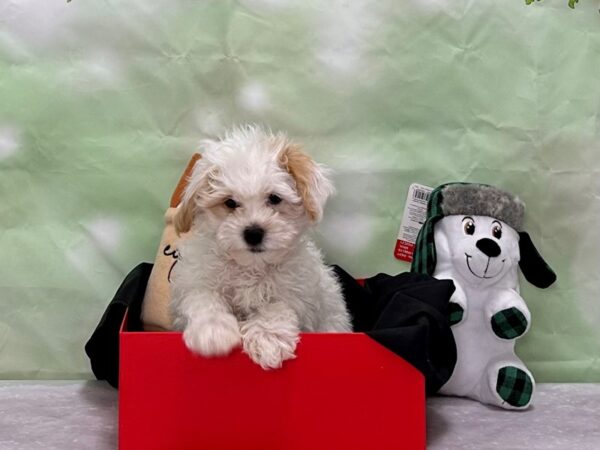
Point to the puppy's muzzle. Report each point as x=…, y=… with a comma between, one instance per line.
x=254, y=235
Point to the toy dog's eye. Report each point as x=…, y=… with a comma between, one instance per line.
x=274, y=199
x=231, y=203
x=497, y=231
x=468, y=225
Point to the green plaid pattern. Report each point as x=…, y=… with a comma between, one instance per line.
x=456, y=313
x=514, y=386
x=424, y=257
x=509, y=323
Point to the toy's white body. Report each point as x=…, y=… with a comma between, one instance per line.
x=486, y=287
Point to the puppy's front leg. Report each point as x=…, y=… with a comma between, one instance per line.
x=210, y=328
x=270, y=335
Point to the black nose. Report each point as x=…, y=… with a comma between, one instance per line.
x=254, y=235
x=488, y=247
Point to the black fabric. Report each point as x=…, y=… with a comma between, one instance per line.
x=103, y=346
x=408, y=314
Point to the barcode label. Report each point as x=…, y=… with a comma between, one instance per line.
x=420, y=194
x=415, y=212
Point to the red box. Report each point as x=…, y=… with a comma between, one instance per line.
x=343, y=391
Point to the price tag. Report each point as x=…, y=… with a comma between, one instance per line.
x=415, y=213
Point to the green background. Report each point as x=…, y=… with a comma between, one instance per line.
x=102, y=103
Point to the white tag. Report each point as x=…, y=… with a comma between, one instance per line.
x=415, y=213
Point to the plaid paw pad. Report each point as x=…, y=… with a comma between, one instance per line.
x=455, y=313
x=514, y=386
x=509, y=323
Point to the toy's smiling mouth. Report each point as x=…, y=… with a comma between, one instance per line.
x=485, y=275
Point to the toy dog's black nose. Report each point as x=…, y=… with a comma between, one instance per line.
x=488, y=247
x=254, y=234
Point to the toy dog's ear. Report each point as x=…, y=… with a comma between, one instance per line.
x=312, y=182
x=183, y=181
x=533, y=266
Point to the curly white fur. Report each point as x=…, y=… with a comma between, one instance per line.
x=227, y=291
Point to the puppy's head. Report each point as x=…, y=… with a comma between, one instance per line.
x=481, y=248
x=256, y=193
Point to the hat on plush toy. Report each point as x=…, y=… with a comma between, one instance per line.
x=481, y=200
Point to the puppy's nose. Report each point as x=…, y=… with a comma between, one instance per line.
x=254, y=234
x=488, y=247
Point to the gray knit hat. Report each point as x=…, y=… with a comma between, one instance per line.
x=482, y=200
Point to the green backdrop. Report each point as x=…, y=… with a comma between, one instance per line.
x=102, y=103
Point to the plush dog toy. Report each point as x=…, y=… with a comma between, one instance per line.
x=155, y=308
x=473, y=236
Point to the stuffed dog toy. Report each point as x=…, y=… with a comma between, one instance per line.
x=157, y=298
x=473, y=236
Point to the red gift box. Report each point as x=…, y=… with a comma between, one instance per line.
x=343, y=391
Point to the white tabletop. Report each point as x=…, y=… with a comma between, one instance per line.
x=83, y=415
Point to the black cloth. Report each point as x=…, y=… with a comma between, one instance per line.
x=103, y=347
x=406, y=313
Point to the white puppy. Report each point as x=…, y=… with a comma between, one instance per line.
x=247, y=274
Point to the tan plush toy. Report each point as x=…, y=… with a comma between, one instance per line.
x=155, y=308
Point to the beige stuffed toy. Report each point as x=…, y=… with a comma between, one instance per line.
x=155, y=308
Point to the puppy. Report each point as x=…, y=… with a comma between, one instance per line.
x=247, y=274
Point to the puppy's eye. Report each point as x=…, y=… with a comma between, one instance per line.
x=497, y=231
x=274, y=199
x=231, y=203
x=468, y=226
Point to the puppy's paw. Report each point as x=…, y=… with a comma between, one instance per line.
x=269, y=348
x=216, y=335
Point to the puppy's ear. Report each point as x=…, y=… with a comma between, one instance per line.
x=312, y=183
x=198, y=183
x=184, y=217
